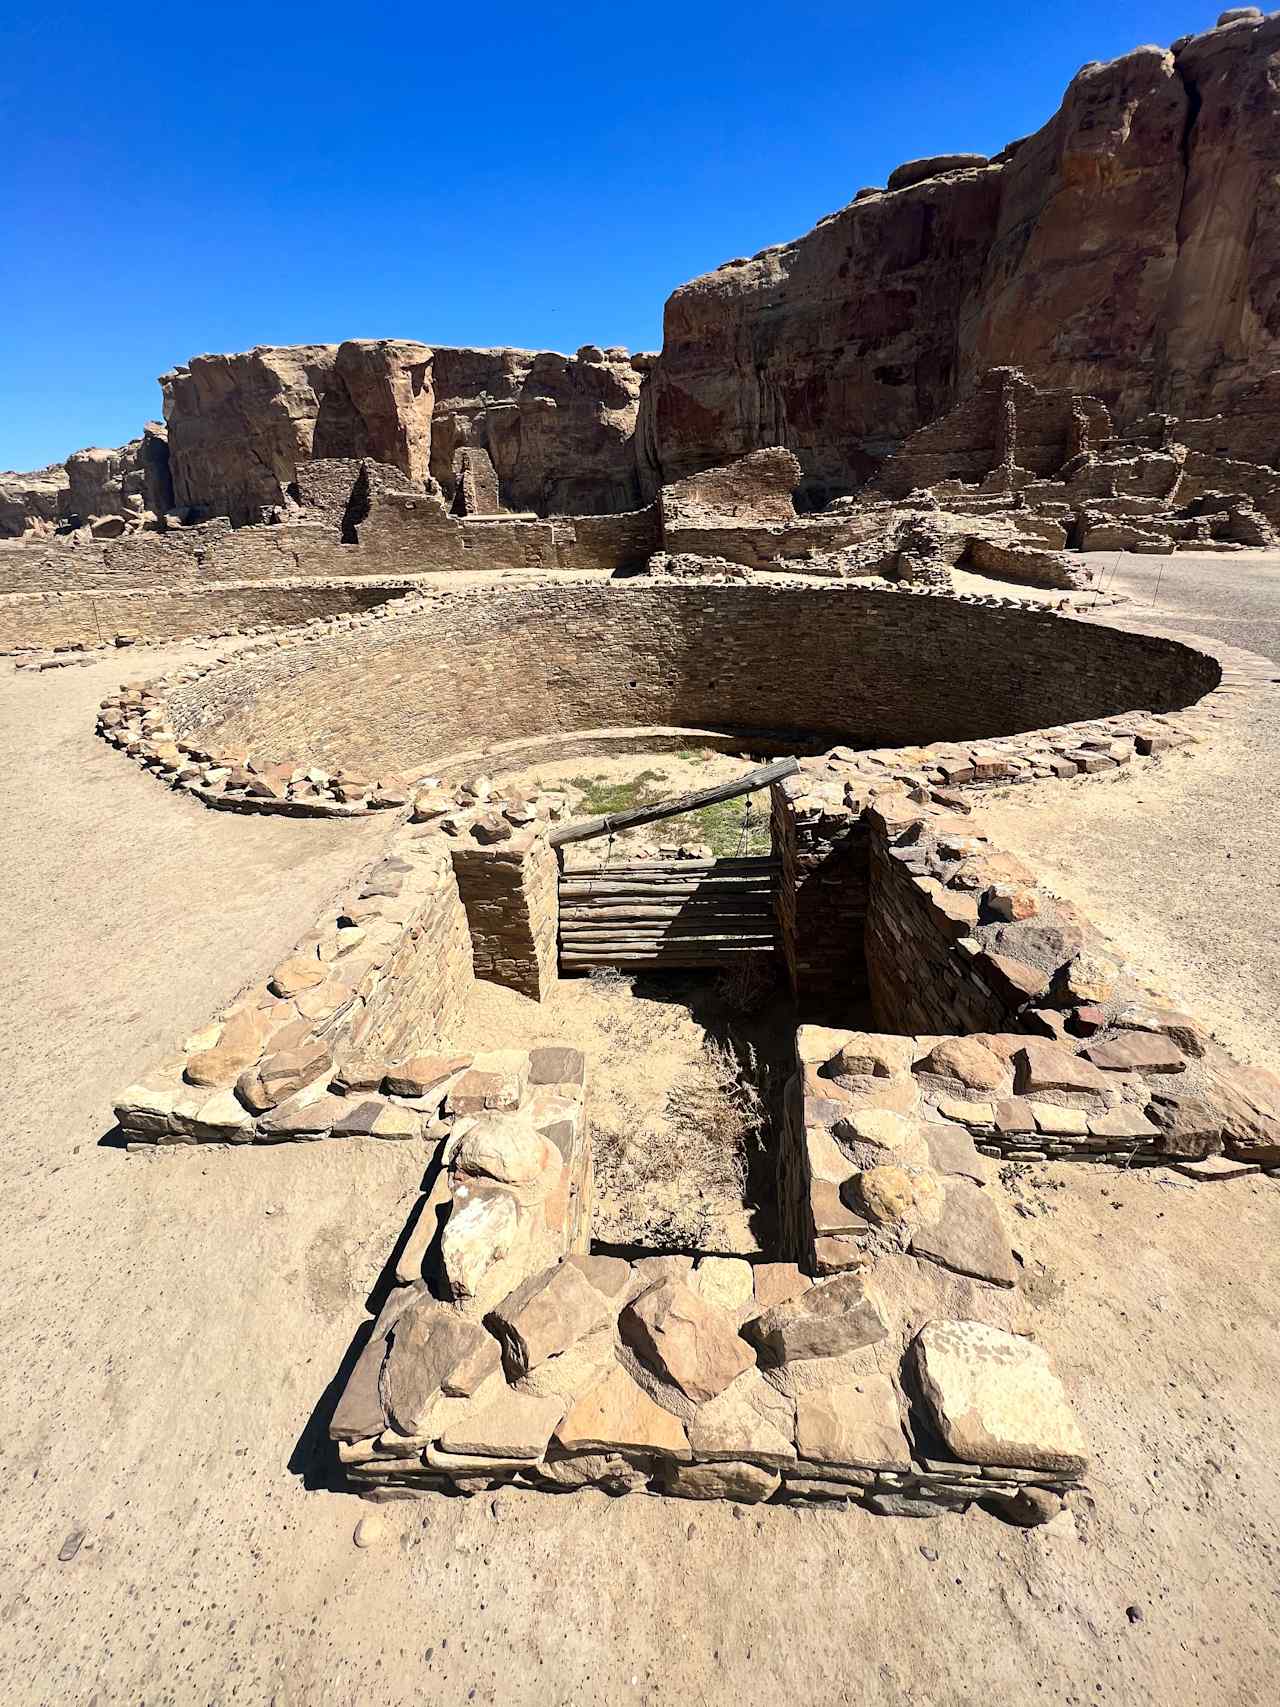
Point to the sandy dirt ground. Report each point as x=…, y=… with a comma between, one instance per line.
x=172, y=1321
x=1177, y=860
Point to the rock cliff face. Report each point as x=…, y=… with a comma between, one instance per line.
x=557, y=429
x=108, y=491
x=1127, y=250
x=240, y=425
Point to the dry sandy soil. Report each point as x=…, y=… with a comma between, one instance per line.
x=174, y=1318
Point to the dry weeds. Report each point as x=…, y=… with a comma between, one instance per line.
x=675, y=1177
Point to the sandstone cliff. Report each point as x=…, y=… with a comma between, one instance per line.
x=1128, y=252
x=558, y=429
x=1128, y=249
x=107, y=491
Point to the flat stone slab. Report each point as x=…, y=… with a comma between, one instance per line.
x=969, y=1236
x=1137, y=1052
x=856, y=1424
x=995, y=1398
x=433, y=1349
x=618, y=1416
x=750, y=1420
x=508, y=1425
x=1043, y=1066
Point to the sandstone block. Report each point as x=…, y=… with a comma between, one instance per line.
x=546, y=1315
x=995, y=1398
x=856, y=1423
x=726, y=1282
x=557, y=1066
x=509, y=1424
x=1043, y=1066
x=749, y=1419
x=870, y=1053
x=375, y=1117
x=745, y=1483
x=479, y=1234
x=968, y=1236
x=609, y=1275
x=970, y=1061
x=495, y=1080
x=778, y=1283
x=433, y=1350
x=422, y=1074
x=302, y=972
x=618, y=1416
x=684, y=1339
x=895, y=1197
x=1137, y=1052
x=833, y=1316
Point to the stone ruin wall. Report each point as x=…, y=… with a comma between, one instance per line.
x=594, y=655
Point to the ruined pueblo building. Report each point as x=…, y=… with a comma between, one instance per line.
x=435, y=568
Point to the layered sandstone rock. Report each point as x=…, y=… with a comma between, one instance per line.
x=1124, y=252
x=556, y=429
x=109, y=491
x=31, y=503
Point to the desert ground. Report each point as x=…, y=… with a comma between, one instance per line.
x=175, y=1318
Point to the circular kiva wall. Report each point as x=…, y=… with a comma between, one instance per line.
x=469, y=670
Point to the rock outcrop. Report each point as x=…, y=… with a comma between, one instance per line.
x=109, y=492
x=1124, y=251
x=557, y=429
x=1123, y=255
x=31, y=503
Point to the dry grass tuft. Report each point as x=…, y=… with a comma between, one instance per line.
x=679, y=1176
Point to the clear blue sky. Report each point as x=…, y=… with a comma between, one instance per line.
x=190, y=177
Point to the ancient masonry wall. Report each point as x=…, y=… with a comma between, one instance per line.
x=406, y=534
x=382, y=978
x=105, y=617
x=821, y=900
x=510, y=892
x=506, y=1353
x=823, y=663
x=1025, y=1026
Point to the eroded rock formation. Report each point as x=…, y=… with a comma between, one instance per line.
x=1124, y=251
x=1123, y=256
x=557, y=429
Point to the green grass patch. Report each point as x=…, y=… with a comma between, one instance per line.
x=731, y=828
x=599, y=796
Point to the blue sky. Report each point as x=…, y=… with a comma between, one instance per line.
x=198, y=177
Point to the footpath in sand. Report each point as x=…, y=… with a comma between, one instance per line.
x=172, y=1321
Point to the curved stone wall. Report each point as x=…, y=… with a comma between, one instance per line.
x=467, y=670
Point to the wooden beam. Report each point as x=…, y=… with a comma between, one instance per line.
x=748, y=783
